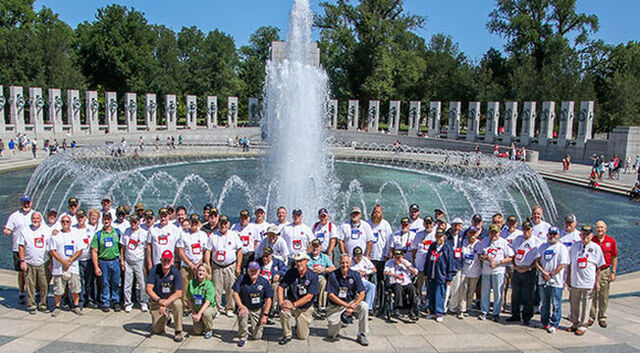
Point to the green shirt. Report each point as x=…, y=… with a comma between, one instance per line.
x=108, y=246
x=200, y=292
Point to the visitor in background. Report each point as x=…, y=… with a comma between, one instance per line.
x=65, y=248
x=327, y=233
x=1, y=147
x=419, y=253
x=248, y=237
x=439, y=269
x=552, y=260
x=607, y=274
x=627, y=164
x=320, y=264
x=586, y=258
x=381, y=230
x=253, y=294
x=17, y=221
x=107, y=263
x=164, y=288
x=495, y=254
x=12, y=147
x=471, y=270
x=401, y=273
x=356, y=233
x=133, y=244
x=566, y=163
x=525, y=248
x=34, y=262
x=201, y=295
x=365, y=268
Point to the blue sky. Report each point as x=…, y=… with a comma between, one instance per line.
x=464, y=20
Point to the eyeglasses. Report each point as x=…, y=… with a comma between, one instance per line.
x=65, y=221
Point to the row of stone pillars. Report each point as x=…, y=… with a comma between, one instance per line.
x=17, y=102
x=528, y=115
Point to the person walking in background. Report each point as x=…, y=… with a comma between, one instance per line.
x=12, y=147
x=566, y=163
x=1, y=147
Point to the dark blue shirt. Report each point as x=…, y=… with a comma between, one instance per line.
x=163, y=285
x=300, y=286
x=457, y=251
x=439, y=266
x=253, y=295
x=345, y=288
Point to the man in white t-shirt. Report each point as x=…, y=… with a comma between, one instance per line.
x=540, y=227
x=134, y=241
x=366, y=269
x=260, y=225
x=552, y=260
x=403, y=239
x=356, y=233
x=495, y=254
x=525, y=250
x=190, y=248
x=120, y=222
x=86, y=232
x=586, y=258
x=570, y=235
x=297, y=235
x=224, y=252
x=281, y=213
x=73, y=207
x=417, y=223
x=401, y=273
x=327, y=233
x=18, y=220
x=162, y=236
x=65, y=248
x=248, y=237
x=471, y=271
x=106, y=207
x=381, y=230
x=273, y=240
x=419, y=250
x=32, y=242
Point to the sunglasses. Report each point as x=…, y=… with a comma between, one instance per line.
x=65, y=221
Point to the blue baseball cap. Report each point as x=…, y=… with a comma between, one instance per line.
x=554, y=230
x=253, y=266
x=25, y=198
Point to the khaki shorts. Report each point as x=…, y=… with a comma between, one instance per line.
x=59, y=284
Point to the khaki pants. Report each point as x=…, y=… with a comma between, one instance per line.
x=36, y=275
x=252, y=318
x=160, y=321
x=322, y=294
x=453, y=297
x=187, y=275
x=579, y=302
x=601, y=298
x=421, y=281
x=223, y=279
x=508, y=283
x=274, y=288
x=467, y=290
x=335, y=323
x=303, y=320
x=206, y=321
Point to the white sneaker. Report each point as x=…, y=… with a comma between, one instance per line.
x=431, y=317
x=230, y=313
x=144, y=307
x=439, y=318
x=552, y=330
x=216, y=315
x=127, y=308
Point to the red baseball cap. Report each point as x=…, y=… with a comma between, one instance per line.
x=167, y=254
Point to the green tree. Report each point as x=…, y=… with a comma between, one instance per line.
x=253, y=58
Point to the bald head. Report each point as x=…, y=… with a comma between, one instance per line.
x=601, y=228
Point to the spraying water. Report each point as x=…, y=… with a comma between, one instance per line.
x=296, y=93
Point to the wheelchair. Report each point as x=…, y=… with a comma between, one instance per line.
x=409, y=312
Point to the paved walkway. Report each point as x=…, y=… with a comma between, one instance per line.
x=121, y=332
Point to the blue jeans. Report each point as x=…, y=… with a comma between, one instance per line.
x=88, y=280
x=370, y=290
x=110, y=280
x=495, y=282
x=550, y=296
x=436, y=292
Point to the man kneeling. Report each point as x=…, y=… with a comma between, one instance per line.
x=164, y=287
x=253, y=295
x=346, y=295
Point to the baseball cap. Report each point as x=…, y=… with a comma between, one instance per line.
x=296, y=212
x=323, y=211
x=404, y=220
x=476, y=218
x=570, y=218
x=554, y=230
x=300, y=256
x=134, y=218
x=587, y=228
x=167, y=254
x=139, y=206
x=527, y=225
x=105, y=199
x=73, y=201
x=512, y=219
x=316, y=242
x=213, y=211
x=194, y=217
x=428, y=219
x=437, y=210
x=457, y=220
x=260, y=208
x=171, y=209
x=356, y=209
x=81, y=213
x=223, y=219
x=357, y=251
x=120, y=211
x=397, y=252
x=107, y=215
x=472, y=228
x=207, y=207
x=163, y=212
x=25, y=198
x=414, y=207
x=272, y=230
x=52, y=211
x=267, y=251
x=148, y=213
x=253, y=266
x=494, y=228
x=244, y=213
x=440, y=232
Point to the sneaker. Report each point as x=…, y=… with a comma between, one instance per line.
x=56, y=312
x=216, y=315
x=208, y=335
x=413, y=317
x=551, y=329
x=105, y=309
x=439, y=318
x=482, y=317
x=43, y=309
x=580, y=332
x=590, y=322
x=230, y=313
x=284, y=340
x=32, y=310
x=117, y=307
x=362, y=339
x=241, y=343
x=332, y=339
x=91, y=305
x=77, y=311
x=460, y=316
x=465, y=314
x=144, y=307
x=178, y=337
x=128, y=308
x=602, y=323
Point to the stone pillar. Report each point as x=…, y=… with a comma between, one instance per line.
x=232, y=112
x=624, y=141
x=3, y=102
x=92, y=106
x=528, y=122
x=565, y=125
x=36, y=105
x=111, y=111
x=433, y=123
x=171, y=111
x=394, y=117
x=454, y=120
x=16, y=108
x=352, y=115
x=510, y=122
x=131, y=111
x=332, y=114
x=192, y=111
x=373, y=117
x=73, y=110
x=212, y=112
x=55, y=110
x=254, y=111
x=151, y=111
x=547, y=118
x=473, y=121
x=493, y=121
x=585, y=123
x=414, y=117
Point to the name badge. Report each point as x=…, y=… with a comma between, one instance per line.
x=520, y=254
x=220, y=255
x=245, y=240
x=132, y=245
x=38, y=242
x=266, y=274
x=355, y=234
x=163, y=239
x=567, y=244
x=196, y=249
x=457, y=253
x=166, y=289
x=302, y=290
x=297, y=244
x=468, y=259
x=108, y=242
x=197, y=299
x=255, y=300
x=342, y=292
x=68, y=250
x=548, y=254
x=320, y=236
x=376, y=235
x=426, y=244
x=582, y=263
x=434, y=256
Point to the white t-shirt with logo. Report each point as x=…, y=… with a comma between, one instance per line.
x=568, y=239
x=499, y=249
x=401, y=269
x=510, y=236
x=35, y=243
x=162, y=238
x=193, y=245
x=248, y=236
x=121, y=226
x=525, y=251
x=18, y=220
x=471, y=264
x=420, y=245
x=74, y=219
x=297, y=237
x=356, y=236
x=364, y=265
x=403, y=241
x=325, y=233
x=86, y=234
x=260, y=229
x=224, y=248
x=381, y=234
x=417, y=225
x=552, y=256
x=65, y=244
x=584, y=262
x=280, y=248
x=281, y=225
x=540, y=230
x=134, y=243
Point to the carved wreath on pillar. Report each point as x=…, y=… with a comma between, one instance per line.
x=393, y=112
x=507, y=115
x=172, y=107
x=2, y=102
x=151, y=107
x=372, y=112
x=213, y=108
x=232, y=109
x=564, y=115
x=76, y=104
x=39, y=103
x=192, y=108
x=413, y=113
x=544, y=116
x=20, y=101
x=113, y=106
x=132, y=106
x=583, y=115
x=57, y=103
x=94, y=106
x=331, y=111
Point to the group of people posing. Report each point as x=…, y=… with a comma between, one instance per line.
x=175, y=265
